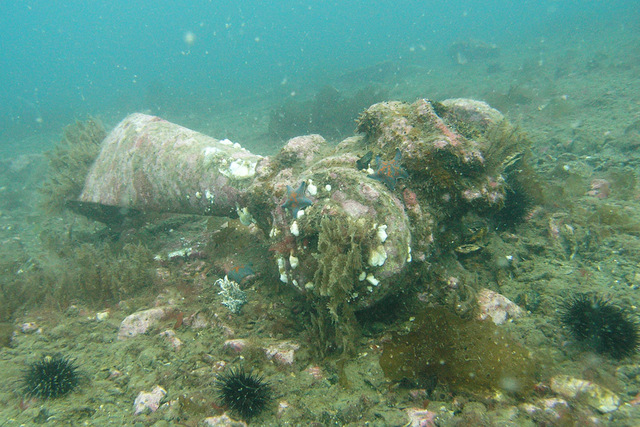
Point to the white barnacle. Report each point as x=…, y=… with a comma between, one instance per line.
x=293, y=261
x=382, y=233
x=244, y=215
x=371, y=279
x=312, y=189
x=294, y=228
x=377, y=256
x=282, y=269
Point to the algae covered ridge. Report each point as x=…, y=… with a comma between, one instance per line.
x=443, y=263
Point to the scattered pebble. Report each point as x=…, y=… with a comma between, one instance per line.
x=223, y=421
x=140, y=322
x=497, y=306
x=149, y=401
x=283, y=352
x=598, y=397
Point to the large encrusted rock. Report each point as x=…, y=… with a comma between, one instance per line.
x=444, y=148
x=598, y=397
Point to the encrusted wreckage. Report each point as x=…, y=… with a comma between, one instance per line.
x=347, y=231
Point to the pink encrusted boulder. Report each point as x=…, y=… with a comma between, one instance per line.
x=171, y=338
x=223, y=421
x=142, y=321
x=497, y=307
x=149, y=401
x=235, y=345
x=456, y=169
x=421, y=417
x=282, y=352
x=346, y=198
x=301, y=148
x=476, y=113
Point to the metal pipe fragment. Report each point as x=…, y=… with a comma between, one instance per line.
x=149, y=164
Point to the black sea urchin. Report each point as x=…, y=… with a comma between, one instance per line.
x=601, y=325
x=50, y=377
x=244, y=393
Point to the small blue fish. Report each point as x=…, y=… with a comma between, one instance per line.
x=296, y=199
x=390, y=171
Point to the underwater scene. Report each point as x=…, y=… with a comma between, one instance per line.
x=316, y=213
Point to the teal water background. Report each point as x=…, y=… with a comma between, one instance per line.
x=66, y=59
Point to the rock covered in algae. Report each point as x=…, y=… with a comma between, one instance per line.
x=444, y=147
x=465, y=355
x=598, y=397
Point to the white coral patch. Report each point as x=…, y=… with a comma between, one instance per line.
x=378, y=256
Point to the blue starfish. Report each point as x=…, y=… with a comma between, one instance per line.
x=296, y=199
x=389, y=171
x=239, y=272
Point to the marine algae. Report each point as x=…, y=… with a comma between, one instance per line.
x=465, y=355
x=69, y=163
x=340, y=261
x=97, y=276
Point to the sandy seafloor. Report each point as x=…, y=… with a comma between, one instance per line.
x=579, y=101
